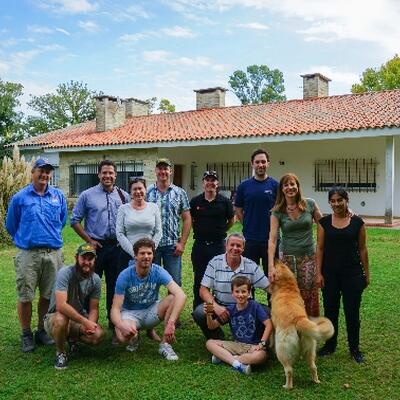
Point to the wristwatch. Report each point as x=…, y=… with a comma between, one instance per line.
x=263, y=344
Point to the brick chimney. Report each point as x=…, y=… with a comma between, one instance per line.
x=110, y=113
x=135, y=107
x=210, y=98
x=315, y=85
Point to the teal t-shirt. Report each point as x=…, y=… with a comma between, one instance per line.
x=297, y=239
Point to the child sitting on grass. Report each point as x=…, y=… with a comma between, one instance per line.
x=250, y=325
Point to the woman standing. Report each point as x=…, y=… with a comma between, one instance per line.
x=294, y=216
x=342, y=269
x=137, y=219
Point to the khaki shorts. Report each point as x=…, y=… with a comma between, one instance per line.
x=74, y=328
x=36, y=268
x=236, y=348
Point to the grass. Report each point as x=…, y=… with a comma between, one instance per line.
x=112, y=373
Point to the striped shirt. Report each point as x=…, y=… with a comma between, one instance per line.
x=218, y=277
x=172, y=204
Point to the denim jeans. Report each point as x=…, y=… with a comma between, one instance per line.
x=172, y=264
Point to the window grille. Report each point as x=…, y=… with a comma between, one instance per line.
x=55, y=177
x=231, y=174
x=355, y=175
x=83, y=176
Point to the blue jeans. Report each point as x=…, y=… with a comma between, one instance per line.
x=171, y=263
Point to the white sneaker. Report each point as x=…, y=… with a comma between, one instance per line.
x=167, y=352
x=133, y=344
x=215, y=360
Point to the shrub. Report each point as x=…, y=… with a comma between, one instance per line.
x=15, y=173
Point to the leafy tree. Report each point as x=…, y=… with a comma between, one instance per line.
x=152, y=104
x=258, y=84
x=10, y=118
x=166, y=106
x=375, y=79
x=72, y=104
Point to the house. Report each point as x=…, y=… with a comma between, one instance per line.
x=351, y=139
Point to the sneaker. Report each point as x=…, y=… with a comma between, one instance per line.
x=243, y=368
x=167, y=352
x=61, y=361
x=357, y=356
x=215, y=360
x=325, y=351
x=41, y=337
x=133, y=344
x=73, y=346
x=27, y=344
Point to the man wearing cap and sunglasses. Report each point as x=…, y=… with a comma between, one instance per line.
x=212, y=216
x=74, y=305
x=174, y=206
x=35, y=218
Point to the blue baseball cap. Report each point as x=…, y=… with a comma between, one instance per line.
x=42, y=163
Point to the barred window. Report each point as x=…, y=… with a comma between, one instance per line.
x=83, y=176
x=231, y=174
x=55, y=177
x=356, y=175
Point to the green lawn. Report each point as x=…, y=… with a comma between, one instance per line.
x=112, y=373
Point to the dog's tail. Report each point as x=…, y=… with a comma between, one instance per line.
x=318, y=328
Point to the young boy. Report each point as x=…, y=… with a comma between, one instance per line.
x=250, y=325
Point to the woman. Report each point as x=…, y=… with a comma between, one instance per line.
x=136, y=220
x=294, y=216
x=342, y=269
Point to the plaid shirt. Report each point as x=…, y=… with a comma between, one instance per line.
x=172, y=204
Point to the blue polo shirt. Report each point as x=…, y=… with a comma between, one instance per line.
x=256, y=198
x=35, y=220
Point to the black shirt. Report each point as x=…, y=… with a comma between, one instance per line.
x=341, y=253
x=210, y=217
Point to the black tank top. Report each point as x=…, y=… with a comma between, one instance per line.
x=341, y=253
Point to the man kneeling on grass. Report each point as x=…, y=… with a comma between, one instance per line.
x=136, y=303
x=74, y=305
x=250, y=325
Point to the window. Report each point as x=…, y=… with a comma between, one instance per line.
x=83, y=176
x=356, y=175
x=231, y=174
x=55, y=178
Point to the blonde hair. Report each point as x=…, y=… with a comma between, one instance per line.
x=280, y=203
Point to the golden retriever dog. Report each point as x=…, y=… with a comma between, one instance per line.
x=295, y=334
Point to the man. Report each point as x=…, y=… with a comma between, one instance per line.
x=174, y=205
x=98, y=206
x=74, y=305
x=35, y=218
x=212, y=215
x=254, y=199
x=216, y=283
x=136, y=305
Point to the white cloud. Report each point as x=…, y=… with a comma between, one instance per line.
x=131, y=13
x=65, y=32
x=134, y=37
x=89, y=26
x=336, y=74
x=155, y=55
x=254, y=25
x=4, y=67
x=39, y=29
x=178, y=31
x=68, y=6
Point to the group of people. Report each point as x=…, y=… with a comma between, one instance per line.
x=136, y=240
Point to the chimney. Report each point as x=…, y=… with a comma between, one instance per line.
x=315, y=85
x=210, y=98
x=136, y=107
x=110, y=113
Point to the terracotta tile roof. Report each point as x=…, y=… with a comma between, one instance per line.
x=294, y=117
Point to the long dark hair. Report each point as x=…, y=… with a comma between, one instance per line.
x=341, y=191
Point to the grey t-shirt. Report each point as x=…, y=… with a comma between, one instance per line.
x=66, y=280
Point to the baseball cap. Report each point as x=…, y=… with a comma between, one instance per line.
x=163, y=161
x=42, y=163
x=86, y=248
x=211, y=174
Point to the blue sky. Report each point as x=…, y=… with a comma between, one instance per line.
x=168, y=48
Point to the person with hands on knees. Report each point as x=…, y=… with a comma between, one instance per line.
x=74, y=306
x=250, y=325
x=342, y=269
x=136, y=303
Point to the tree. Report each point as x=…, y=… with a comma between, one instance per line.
x=152, y=103
x=375, y=79
x=166, y=106
x=258, y=85
x=72, y=104
x=10, y=118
